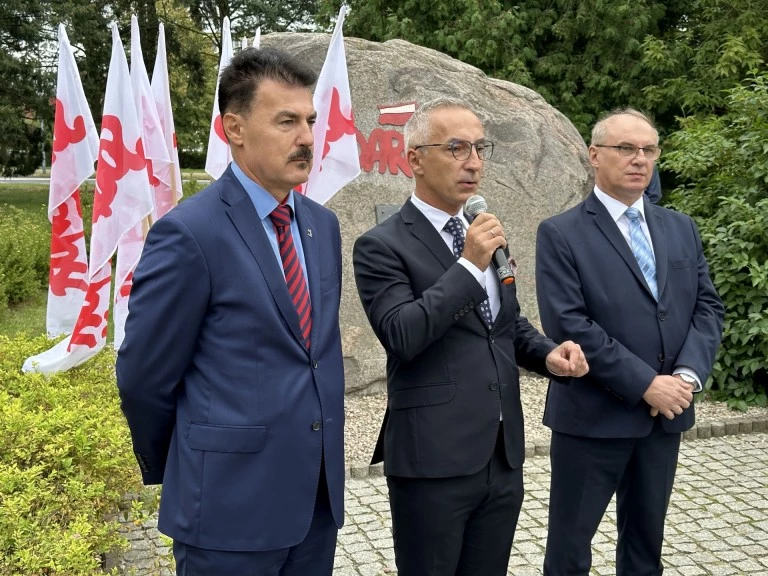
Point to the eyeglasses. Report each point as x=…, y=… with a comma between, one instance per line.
x=462, y=149
x=627, y=151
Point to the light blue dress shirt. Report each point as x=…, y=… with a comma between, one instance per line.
x=265, y=203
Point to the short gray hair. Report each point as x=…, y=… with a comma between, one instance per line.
x=418, y=128
x=601, y=128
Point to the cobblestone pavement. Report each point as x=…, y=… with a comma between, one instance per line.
x=717, y=522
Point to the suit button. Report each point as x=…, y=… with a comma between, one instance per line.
x=461, y=312
x=316, y=425
x=466, y=308
x=662, y=316
x=661, y=358
x=493, y=386
x=455, y=316
x=314, y=364
x=471, y=304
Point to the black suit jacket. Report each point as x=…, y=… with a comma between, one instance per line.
x=448, y=376
x=591, y=290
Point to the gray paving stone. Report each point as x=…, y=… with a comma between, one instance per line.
x=717, y=523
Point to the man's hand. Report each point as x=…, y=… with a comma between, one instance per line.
x=668, y=395
x=567, y=360
x=484, y=236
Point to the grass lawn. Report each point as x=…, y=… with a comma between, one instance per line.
x=28, y=317
x=31, y=198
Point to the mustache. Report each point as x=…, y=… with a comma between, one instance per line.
x=303, y=153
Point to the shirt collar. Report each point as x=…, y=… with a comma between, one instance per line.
x=437, y=217
x=615, y=208
x=262, y=200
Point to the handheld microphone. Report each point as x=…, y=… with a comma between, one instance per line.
x=477, y=205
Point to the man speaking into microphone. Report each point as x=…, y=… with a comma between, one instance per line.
x=452, y=437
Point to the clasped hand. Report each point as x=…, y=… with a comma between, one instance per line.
x=669, y=395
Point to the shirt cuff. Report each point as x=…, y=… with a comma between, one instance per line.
x=474, y=270
x=692, y=374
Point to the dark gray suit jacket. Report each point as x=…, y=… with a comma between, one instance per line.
x=448, y=376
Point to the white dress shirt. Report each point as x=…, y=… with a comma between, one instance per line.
x=487, y=279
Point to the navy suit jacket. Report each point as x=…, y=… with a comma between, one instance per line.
x=590, y=289
x=226, y=406
x=448, y=376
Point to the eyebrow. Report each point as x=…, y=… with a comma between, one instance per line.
x=625, y=143
x=294, y=115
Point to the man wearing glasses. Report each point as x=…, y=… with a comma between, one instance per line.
x=452, y=437
x=627, y=280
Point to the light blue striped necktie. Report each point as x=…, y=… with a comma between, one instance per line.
x=642, y=250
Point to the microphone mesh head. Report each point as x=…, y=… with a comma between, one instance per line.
x=475, y=205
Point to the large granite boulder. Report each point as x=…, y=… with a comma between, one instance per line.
x=539, y=167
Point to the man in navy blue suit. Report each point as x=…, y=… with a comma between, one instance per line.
x=230, y=374
x=627, y=280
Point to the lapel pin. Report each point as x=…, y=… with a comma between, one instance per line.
x=309, y=232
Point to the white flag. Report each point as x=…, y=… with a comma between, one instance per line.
x=336, y=159
x=75, y=146
x=156, y=153
x=169, y=175
x=122, y=199
x=219, y=155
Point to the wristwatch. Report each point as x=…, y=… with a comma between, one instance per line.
x=688, y=380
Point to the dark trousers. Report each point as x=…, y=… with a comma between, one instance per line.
x=586, y=472
x=460, y=526
x=313, y=556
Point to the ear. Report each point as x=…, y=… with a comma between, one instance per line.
x=414, y=160
x=233, y=128
x=593, y=157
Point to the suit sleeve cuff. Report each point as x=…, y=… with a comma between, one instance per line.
x=691, y=373
x=478, y=274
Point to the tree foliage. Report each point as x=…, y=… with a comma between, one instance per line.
x=245, y=16
x=723, y=161
x=696, y=59
x=583, y=57
x=23, y=82
x=29, y=56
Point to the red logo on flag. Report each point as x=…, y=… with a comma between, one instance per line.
x=115, y=161
x=89, y=317
x=125, y=289
x=218, y=127
x=64, y=264
x=63, y=135
x=338, y=124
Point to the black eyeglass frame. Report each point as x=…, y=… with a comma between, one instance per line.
x=485, y=153
x=629, y=151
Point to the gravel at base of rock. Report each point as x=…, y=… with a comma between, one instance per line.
x=365, y=412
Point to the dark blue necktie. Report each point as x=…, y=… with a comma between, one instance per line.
x=456, y=228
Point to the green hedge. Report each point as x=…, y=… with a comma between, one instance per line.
x=66, y=464
x=723, y=163
x=24, y=254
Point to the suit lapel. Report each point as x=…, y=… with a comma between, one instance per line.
x=611, y=231
x=423, y=230
x=659, y=239
x=246, y=221
x=312, y=260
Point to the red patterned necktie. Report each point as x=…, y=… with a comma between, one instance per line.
x=294, y=275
